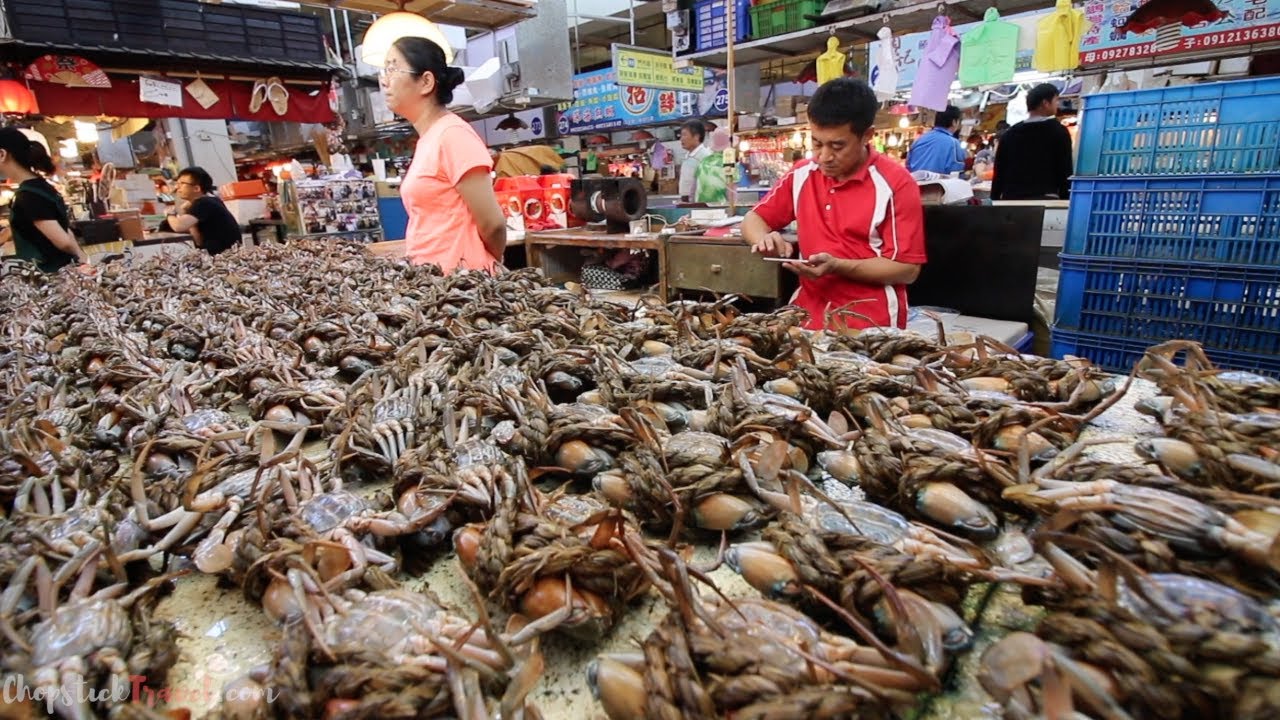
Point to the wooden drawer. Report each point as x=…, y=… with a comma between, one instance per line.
x=722, y=268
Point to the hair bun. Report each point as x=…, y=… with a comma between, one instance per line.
x=454, y=76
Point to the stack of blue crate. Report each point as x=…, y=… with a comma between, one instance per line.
x=1174, y=226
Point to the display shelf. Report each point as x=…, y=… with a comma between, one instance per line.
x=909, y=19
x=473, y=14
x=368, y=234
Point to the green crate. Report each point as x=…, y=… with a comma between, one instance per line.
x=780, y=17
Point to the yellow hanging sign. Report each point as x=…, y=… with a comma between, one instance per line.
x=641, y=67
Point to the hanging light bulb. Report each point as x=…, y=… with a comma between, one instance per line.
x=893, y=141
x=797, y=139
x=904, y=123
x=86, y=132
x=744, y=146
x=67, y=149
x=393, y=26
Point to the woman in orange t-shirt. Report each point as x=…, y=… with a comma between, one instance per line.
x=454, y=218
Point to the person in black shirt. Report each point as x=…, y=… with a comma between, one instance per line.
x=1033, y=159
x=205, y=216
x=38, y=215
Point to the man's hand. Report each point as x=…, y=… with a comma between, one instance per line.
x=84, y=268
x=818, y=265
x=772, y=245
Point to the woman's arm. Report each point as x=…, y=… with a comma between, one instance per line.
x=477, y=192
x=61, y=239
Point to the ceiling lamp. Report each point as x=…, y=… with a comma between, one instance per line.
x=16, y=98
x=904, y=122
x=512, y=123
x=86, y=132
x=393, y=26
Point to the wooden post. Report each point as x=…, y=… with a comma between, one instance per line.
x=731, y=12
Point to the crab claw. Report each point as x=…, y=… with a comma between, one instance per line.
x=722, y=511
x=764, y=569
x=951, y=507
x=583, y=460
x=618, y=687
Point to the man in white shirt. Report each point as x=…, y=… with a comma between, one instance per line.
x=692, y=135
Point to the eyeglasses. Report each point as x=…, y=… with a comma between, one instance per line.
x=184, y=182
x=385, y=72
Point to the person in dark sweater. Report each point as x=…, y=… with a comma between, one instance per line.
x=1033, y=159
x=210, y=223
x=38, y=215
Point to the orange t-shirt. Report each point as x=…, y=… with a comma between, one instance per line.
x=441, y=229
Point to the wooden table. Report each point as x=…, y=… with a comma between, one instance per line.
x=536, y=244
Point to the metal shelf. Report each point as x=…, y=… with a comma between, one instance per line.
x=472, y=14
x=810, y=42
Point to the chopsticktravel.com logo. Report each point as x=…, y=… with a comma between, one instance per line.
x=70, y=690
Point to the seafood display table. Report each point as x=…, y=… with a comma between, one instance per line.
x=537, y=243
x=395, y=248
x=420, y=492
x=152, y=245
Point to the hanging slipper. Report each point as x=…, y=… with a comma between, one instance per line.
x=278, y=95
x=203, y=94
x=258, y=97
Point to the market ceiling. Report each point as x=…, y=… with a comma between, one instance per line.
x=474, y=14
x=20, y=51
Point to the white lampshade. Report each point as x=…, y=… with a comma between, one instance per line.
x=393, y=26
x=86, y=132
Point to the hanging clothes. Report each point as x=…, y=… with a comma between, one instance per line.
x=660, y=157
x=831, y=62
x=989, y=52
x=1058, y=39
x=884, y=76
x=938, y=67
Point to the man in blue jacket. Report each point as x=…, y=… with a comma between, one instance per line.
x=938, y=150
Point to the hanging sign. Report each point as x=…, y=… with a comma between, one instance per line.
x=600, y=103
x=641, y=67
x=1247, y=22
x=160, y=91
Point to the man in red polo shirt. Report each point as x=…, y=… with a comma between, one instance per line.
x=859, y=216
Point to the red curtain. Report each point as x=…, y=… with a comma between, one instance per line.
x=307, y=103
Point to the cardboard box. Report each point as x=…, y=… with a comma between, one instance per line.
x=130, y=223
x=785, y=105
x=243, y=189
x=247, y=209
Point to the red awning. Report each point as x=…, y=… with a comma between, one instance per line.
x=307, y=103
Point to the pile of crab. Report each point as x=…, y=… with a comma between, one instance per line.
x=314, y=426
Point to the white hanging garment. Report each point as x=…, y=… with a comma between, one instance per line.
x=884, y=76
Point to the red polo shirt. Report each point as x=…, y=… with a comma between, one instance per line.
x=874, y=213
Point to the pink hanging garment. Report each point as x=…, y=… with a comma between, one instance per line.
x=938, y=67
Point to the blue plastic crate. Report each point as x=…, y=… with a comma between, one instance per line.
x=1211, y=128
x=1120, y=355
x=1233, y=308
x=711, y=24
x=1202, y=218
